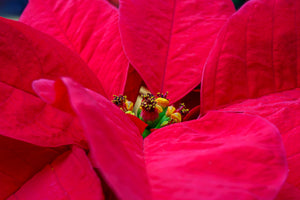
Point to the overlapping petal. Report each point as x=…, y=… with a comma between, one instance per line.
x=257, y=56
x=184, y=161
x=69, y=176
x=88, y=27
x=26, y=55
x=168, y=41
x=220, y=156
x=282, y=109
x=115, y=143
x=257, y=53
x=19, y=161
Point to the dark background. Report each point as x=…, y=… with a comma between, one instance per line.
x=13, y=8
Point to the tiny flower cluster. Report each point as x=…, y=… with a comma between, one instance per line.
x=155, y=111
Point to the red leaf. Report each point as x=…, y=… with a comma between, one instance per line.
x=70, y=176
x=19, y=161
x=282, y=109
x=220, y=156
x=90, y=28
x=256, y=53
x=26, y=55
x=115, y=143
x=168, y=41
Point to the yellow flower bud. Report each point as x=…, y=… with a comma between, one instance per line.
x=158, y=108
x=164, y=123
x=170, y=110
x=162, y=102
x=176, y=117
x=129, y=105
x=130, y=112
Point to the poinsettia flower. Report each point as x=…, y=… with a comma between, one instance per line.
x=188, y=160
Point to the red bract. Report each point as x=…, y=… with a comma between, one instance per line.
x=223, y=155
x=89, y=28
x=166, y=42
x=204, y=158
x=161, y=39
x=257, y=56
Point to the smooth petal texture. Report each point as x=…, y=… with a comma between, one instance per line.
x=115, y=143
x=26, y=55
x=220, y=156
x=256, y=53
x=282, y=109
x=168, y=41
x=90, y=28
x=70, y=176
x=19, y=161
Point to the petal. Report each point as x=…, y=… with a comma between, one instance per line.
x=19, y=161
x=282, y=109
x=115, y=143
x=26, y=55
x=220, y=156
x=256, y=53
x=168, y=41
x=90, y=28
x=70, y=176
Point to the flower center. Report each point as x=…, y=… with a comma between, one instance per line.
x=155, y=111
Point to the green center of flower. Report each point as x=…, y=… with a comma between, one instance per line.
x=155, y=111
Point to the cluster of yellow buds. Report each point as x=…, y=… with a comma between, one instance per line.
x=153, y=110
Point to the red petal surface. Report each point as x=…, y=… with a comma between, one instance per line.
x=70, y=176
x=115, y=143
x=220, y=156
x=90, y=28
x=26, y=55
x=256, y=53
x=168, y=41
x=19, y=161
x=282, y=109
